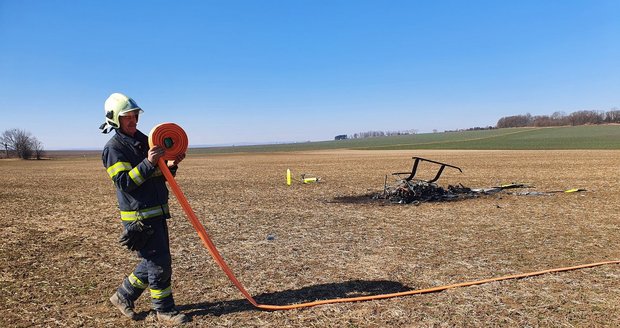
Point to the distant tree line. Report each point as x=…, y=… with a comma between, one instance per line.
x=21, y=144
x=581, y=117
x=477, y=128
x=371, y=134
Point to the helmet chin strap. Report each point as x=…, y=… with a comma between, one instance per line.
x=106, y=128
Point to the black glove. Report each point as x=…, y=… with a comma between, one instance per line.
x=136, y=235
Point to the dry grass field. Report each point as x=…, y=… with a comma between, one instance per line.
x=60, y=259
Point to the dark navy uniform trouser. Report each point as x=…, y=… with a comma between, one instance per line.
x=154, y=270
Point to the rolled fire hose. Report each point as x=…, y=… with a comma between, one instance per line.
x=174, y=140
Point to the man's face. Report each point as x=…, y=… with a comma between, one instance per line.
x=129, y=123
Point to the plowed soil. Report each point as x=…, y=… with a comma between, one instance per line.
x=60, y=259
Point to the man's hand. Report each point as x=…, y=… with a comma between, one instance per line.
x=155, y=153
x=173, y=166
x=178, y=159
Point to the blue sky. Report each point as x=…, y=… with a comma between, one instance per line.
x=231, y=72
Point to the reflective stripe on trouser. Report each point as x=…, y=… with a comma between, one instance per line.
x=145, y=213
x=161, y=299
x=161, y=293
x=136, y=282
x=132, y=287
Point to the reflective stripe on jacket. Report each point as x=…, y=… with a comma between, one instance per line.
x=145, y=213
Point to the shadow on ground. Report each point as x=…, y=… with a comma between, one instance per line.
x=346, y=289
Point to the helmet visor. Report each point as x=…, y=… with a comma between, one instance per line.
x=131, y=111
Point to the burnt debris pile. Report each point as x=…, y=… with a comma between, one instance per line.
x=411, y=190
x=415, y=192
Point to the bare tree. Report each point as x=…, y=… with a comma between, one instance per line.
x=559, y=119
x=516, y=121
x=583, y=117
x=37, y=147
x=612, y=116
x=21, y=143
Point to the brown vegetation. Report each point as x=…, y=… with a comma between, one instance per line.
x=60, y=259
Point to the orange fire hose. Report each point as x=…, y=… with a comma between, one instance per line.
x=174, y=140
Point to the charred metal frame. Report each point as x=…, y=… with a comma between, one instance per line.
x=414, y=170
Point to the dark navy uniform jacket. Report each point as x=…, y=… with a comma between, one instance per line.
x=140, y=186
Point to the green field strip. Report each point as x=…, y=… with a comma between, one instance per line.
x=547, y=138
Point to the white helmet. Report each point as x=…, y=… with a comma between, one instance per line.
x=117, y=105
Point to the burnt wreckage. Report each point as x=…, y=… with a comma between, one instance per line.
x=411, y=190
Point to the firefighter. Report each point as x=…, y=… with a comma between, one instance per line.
x=143, y=201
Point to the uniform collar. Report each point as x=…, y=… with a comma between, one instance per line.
x=136, y=140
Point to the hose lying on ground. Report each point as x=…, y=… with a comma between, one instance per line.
x=174, y=140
